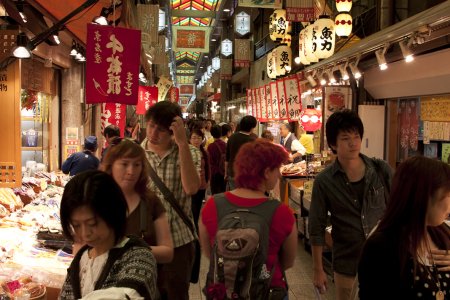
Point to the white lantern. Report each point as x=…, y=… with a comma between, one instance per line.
x=283, y=60
x=301, y=48
x=343, y=5
x=308, y=49
x=281, y=24
x=323, y=42
x=209, y=70
x=216, y=63
x=242, y=23
x=343, y=24
x=271, y=71
x=272, y=26
x=226, y=47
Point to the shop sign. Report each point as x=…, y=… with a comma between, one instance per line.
x=263, y=4
x=226, y=47
x=159, y=56
x=297, y=11
x=70, y=149
x=148, y=22
x=242, y=53
x=174, y=94
x=282, y=100
x=274, y=100
x=242, y=23
x=187, y=89
x=112, y=64
x=323, y=37
x=7, y=41
x=216, y=63
x=72, y=135
x=262, y=100
x=114, y=113
x=268, y=102
x=148, y=96
x=164, y=85
x=249, y=102
x=162, y=20
x=226, y=68
x=255, y=104
x=293, y=100
x=191, y=38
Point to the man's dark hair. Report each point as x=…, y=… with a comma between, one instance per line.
x=111, y=131
x=162, y=113
x=288, y=126
x=216, y=131
x=343, y=121
x=226, y=129
x=247, y=123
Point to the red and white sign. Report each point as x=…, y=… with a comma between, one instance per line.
x=112, y=64
x=249, y=102
x=293, y=98
x=282, y=99
x=262, y=100
x=148, y=96
x=268, y=102
x=114, y=113
x=274, y=100
x=174, y=94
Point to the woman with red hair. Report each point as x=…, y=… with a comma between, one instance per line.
x=257, y=170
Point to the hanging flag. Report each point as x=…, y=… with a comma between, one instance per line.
x=114, y=113
x=300, y=10
x=262, y=95
x=112, y=64
x=282, y=99
x=226, y=68
x=191, y=38
x=148, y=96
x=159, y=56
x=242, y=50
x=274, y=100
x=164, y=85
x=148, y=19
x=249, y=102
x=293, y=98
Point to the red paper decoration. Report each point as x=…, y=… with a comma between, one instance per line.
x=311, y=119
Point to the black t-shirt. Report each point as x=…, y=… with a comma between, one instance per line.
x=234, y=143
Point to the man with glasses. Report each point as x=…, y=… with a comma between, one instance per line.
x=178, y=165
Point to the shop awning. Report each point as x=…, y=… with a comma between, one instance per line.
x=428, y=74
x=214, y=97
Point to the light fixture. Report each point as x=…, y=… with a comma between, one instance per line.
x=323, y=31
x=343, y=70
x=406, y=51
x=73, y=50
x=226, y=10
x=354, y=67
x=21, y=50
x=101, y=20
x=331, y=77
x=344, y=25
x=213, y=40
x=20, y=6
x=56, y=39
x=343, y=5
x=321, y=79
x=311, y=79
x=297, y=60
x=381, y=58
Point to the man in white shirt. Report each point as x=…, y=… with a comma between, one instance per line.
x=291, y=143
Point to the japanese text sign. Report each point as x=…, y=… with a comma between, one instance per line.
x=282, y=100
x=274, y=100
x=114, y=113
x=293, y=100
x=148, y=96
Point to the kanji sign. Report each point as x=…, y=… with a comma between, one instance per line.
x=114, y=113
x=148, y=96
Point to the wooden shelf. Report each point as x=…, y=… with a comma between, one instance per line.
x=32, y=149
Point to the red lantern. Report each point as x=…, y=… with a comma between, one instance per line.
x=311, y=119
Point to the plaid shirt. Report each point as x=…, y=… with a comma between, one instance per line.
x=168, y=169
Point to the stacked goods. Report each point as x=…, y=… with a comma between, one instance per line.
x=22, y=288
x=9, y=202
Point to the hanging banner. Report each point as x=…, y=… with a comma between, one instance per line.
x=112, y=64
x=148, y=95
x=249, y=102
x=274, y=100
x=164, y=85
x=268, y=102
x=226, y=68
x=8, y=39
x=242, y=50
x=258, y=104
x=159, y=56
x=174, y=94
x=293, y=99
x=300, y=10
x=282, y=100
x=254, y=104
x=191, y=38
x=262, y=95
x=114, y=113
x=148, y=19
x=272, y=4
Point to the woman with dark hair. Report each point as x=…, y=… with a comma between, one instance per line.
x=110, y=265
x=127, y=163
x=257, y=170
x=408, y=253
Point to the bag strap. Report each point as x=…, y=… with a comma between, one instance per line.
x=168, y=195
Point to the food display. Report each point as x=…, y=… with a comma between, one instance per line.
x=294, y=169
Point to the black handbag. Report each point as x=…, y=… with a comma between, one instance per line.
x=168, y=195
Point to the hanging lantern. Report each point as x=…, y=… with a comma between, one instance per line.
x=216, y=63
x=272, y=26
x=344, y=24
x=311, y=119
x=286, y=40
x=271, y=72
x=283, y=60
x=310, y=36
x=226, y=47
x=343, y=5
x=323, y=41
x=281, y=24
x=301, y=48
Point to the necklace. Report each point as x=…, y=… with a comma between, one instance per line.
x=433, y=273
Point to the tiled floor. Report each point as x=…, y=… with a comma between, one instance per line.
x=299, y=279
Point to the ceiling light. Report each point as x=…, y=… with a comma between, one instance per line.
x=73, y=50
x=20, y=5
x=343, y=70
x=406, y=51
x=381, y=58
x=21, y=50
x=311, y=80
x=213, y=40
x=321, y=79
x=355, y=71
x=226, y=10
x=56, y=39
x=331, y=77
x=297, y=60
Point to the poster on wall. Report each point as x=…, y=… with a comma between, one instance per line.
x=336, y=98
x=293, y=98
x=274, y=99
x=268, y=102
x=112, y=64
x=72, y=136
x=435, y=109
x=70, y=149
x=282, y=100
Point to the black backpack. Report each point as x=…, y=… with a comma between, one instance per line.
x=238, y=259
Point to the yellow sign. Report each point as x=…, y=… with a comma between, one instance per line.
x=435, y=109
x=70, y=149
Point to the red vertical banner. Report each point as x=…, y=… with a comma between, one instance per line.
x=249, y=102
x=282, y=99
x=274, y=100
x=174, y=94
x=148, y=95
x=262, y=94
x=258, y=104
x=112, y=64
x=114, y=113
x=293, y=98
x=268, y=102
x=255, y=112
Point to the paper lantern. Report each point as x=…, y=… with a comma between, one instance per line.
x=343, y=5
x=309, y=50
x=301, y=48
x=271, y=72
x=311, y=119
x=281, y=24
x=272, y=27
x=286, y=40
x=216, y=63
x=323, y=39
x=283, y=60
x=343, y=24
x=226, y=47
